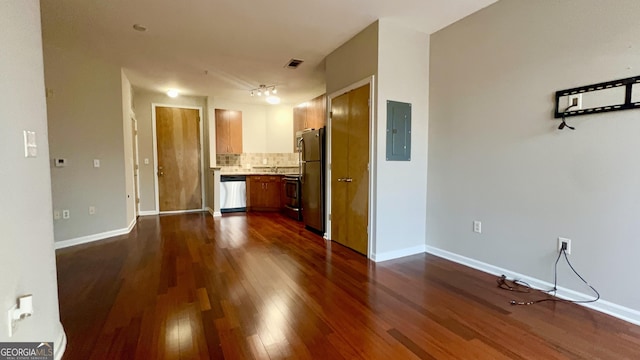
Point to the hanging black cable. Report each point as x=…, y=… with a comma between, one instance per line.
x=523, y=287
x=564, y=123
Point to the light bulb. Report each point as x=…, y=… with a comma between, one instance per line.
x=259, y=93
x=172, y=93
x=266, y=93
x=274, y=91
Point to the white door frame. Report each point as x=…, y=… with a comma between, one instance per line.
x=136, y=163
x=155, y=156
x=371, y=228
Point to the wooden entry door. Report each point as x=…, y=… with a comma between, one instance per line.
x=178, y=139
x=349, y=169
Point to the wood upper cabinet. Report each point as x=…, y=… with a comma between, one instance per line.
x=263, y=192
x=309, y=115
x=228, y=131
x=317, y=112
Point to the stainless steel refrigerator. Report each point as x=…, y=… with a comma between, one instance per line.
x=312, y=152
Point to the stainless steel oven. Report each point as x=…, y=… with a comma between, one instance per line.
x=292, y=196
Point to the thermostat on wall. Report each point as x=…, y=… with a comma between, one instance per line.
x=60, y=162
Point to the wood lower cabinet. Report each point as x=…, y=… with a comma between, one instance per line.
x=228, y=131
x=264, y=192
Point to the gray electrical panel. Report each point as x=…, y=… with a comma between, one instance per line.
x=398, y=131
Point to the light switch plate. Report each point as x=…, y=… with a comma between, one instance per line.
x=30, y=144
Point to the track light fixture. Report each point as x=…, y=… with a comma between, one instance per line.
x=263, y=89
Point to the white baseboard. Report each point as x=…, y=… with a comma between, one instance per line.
x=148, y=213
x=214, y=213
x=181, y=211
x=607, y=307
x=60, y=345
x=390, y=255
x=94, y=237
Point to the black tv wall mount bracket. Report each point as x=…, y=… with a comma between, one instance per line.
x=604, y=97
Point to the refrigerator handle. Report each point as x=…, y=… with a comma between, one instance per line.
x=300, y=153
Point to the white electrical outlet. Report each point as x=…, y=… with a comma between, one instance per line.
x=564, y=240
x=575, y=99
x=477, y=227
x=92, y=210
x=56, y=214
x=96, y=163
x=66, y=214
x=146, y=161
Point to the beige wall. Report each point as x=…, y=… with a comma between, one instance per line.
x=85, y=122
x=495, y=153
x=143, y=100
x=27, y=259
x=127, y=132
x=353, y=61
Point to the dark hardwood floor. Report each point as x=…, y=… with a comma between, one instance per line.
x=260, y=286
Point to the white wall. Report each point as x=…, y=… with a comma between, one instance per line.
x=279, y=126
x=403, y=75
x=495, y=153
x=27, y=259
x=265, y=128
x=143, y=100
x=85, y=113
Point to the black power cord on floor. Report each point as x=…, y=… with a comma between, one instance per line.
x=523, y=287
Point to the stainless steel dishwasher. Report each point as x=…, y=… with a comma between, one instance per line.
x=233, y=193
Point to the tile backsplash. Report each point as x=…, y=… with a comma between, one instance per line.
x=247, y=161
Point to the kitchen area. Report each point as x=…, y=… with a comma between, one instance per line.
x=292, y=183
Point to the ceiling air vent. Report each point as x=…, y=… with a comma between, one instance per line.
x=293, y=63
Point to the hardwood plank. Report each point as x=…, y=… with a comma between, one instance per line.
x=260, y=286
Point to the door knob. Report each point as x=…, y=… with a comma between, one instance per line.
x=160, y=173
x=348, y=180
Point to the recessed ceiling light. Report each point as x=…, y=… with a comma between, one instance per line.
x=172, y=93
x=139, y=27
x=273, y=100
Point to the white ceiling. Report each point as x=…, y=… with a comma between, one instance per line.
x=240, y=43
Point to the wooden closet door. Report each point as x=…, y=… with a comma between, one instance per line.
x=339, y=168
x=349, y=169
x=358, y=158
